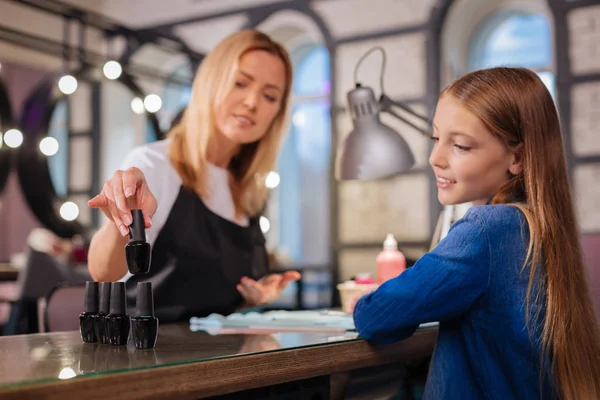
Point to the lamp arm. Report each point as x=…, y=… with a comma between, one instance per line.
x=386, y=105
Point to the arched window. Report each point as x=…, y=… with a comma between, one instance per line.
x=175, y=97
x=497, y=33
x=514, y=38
x=299, y=206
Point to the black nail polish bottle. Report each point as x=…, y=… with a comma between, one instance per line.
x=87, y=319
x=144, y=326
x=137, y=251
x=117, y=321
x=100, y=322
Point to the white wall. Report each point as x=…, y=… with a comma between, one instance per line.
x=584, y=54
x=367, y=211
x=40, y=24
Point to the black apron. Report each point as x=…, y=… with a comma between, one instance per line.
x=198, y=259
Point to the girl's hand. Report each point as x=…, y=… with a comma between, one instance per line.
x=266, y=290
x=125, y=191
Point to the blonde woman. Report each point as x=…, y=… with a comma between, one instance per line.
x=202, y=189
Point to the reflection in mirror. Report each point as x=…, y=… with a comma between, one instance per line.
x=6, y=123
x=58, y=162
x=32, y=164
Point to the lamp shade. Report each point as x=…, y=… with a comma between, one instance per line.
x=372, y=150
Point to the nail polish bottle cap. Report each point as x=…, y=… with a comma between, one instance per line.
x=117, y=298
x=105, y=297
x=91, y=297
x=137, y=232
x=145, y=300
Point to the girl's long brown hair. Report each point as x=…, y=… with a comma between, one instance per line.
x=517, y=108
x=191, y=136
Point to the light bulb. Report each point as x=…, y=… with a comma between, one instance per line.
x=137, y=106
x=69, y=211
x=49, y=146
x=264, y=223
x=67, y=84
x=112, y=69
x=272, y=180
x=13, y=138
x=152, y=103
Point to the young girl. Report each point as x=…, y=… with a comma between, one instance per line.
x=508, y=283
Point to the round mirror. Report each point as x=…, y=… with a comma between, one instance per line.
x=43, y=178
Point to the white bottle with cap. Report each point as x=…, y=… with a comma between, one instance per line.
x=390, y=262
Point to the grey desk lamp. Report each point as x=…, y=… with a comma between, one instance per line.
x=373, y=150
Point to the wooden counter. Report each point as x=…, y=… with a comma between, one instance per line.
x=186, y=364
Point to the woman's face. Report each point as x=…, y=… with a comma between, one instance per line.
x=255, y=99
x=470, y=164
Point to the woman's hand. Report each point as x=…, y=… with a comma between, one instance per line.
x=125, y=191
x=266, y=290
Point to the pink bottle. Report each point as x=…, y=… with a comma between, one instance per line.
x=390, y=262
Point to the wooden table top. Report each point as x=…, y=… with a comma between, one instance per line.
x=185, y=363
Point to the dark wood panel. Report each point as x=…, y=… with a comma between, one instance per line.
x=8, y=273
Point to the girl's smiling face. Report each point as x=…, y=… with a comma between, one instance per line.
x=469, y=162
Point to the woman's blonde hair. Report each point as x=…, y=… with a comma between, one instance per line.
x=191, y=136
x=517, y=108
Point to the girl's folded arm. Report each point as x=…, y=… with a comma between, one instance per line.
x=441, y=285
